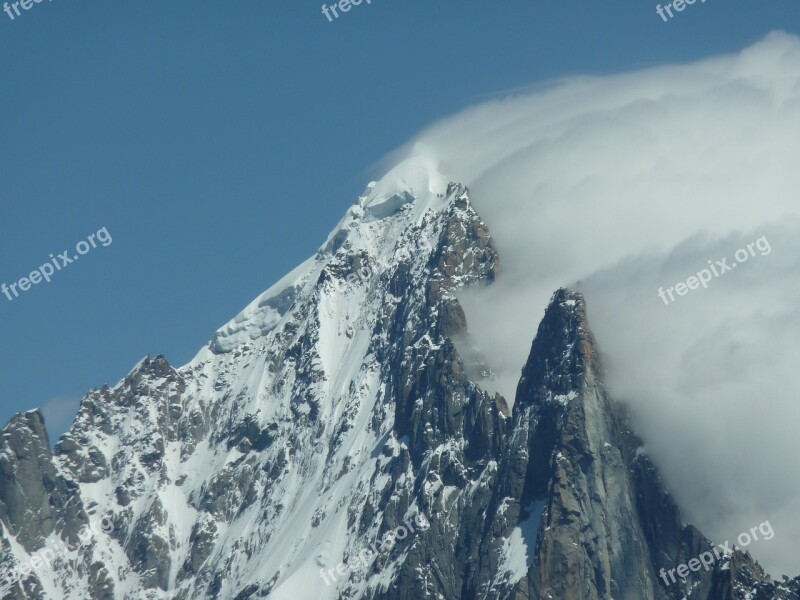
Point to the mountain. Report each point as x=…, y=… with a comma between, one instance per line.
x=332, y=441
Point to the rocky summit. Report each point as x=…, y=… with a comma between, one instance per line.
x=332, y=441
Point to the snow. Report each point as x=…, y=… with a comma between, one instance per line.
x=264, y=313
x=565, y=399
x=519, y=548
x=416, y=177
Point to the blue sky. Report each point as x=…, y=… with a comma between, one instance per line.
x=220, y=143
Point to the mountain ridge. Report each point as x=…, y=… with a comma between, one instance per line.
x=332, y=410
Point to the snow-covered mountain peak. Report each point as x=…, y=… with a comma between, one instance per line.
x=396, y=220
x=282, y=425
x=417, y=177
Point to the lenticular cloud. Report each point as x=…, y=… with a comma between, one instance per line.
x=623, y=184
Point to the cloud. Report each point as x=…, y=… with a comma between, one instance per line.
x=59, y=413
x=632, y=182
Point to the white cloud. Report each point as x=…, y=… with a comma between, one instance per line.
x=59, y=413
x=631, y=182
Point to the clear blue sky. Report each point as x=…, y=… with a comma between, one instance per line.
x=220, y=142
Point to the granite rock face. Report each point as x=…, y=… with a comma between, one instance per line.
x=332, y=441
